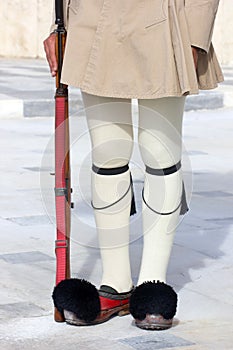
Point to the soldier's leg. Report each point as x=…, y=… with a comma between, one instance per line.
x=110, y=126
x=160, y=130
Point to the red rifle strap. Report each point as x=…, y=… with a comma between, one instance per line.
x=62, y=242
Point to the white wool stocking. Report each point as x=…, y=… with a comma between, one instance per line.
x=160, y=129
x=164, y=196
x=112, y=221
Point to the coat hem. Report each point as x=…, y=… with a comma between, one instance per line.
x=118, y=94
x=149, y=95
x=206, y=87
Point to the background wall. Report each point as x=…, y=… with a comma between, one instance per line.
x=223, y=34
x=24, y=25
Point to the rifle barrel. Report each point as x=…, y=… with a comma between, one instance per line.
x=59, y=13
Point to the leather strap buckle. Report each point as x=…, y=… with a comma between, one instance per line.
x=61, y=243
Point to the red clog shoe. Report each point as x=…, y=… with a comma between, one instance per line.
x=82, y=305
x=111, y=304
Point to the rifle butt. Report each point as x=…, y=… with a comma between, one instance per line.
x=58, y=317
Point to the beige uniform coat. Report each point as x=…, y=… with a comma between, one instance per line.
x=140, y=48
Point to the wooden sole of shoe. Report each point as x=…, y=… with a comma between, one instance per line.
x=104, y=316
x=154, y=322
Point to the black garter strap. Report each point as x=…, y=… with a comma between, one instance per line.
x=157, y=212
x=163, y=172
x=116, y=171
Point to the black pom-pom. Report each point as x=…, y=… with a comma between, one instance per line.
x=154, y=298
x=78, y=296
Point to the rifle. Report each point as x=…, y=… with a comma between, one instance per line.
x=62, y=161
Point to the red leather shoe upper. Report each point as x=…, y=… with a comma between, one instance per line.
x=106, y=303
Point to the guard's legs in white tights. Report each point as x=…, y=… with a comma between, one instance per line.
x=160, y=129
x=160, y=124
x=110, y=126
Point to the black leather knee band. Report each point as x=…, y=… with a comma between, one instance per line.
x=110, y=171
x=116, y=171
x=165, y=171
